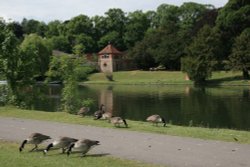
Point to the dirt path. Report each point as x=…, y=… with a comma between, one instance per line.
x=151, y=148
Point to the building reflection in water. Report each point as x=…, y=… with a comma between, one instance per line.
x=106, y=98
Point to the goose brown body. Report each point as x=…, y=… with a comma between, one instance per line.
x=155, y=119
x=34, y=138
x=117, y=121
x=82, y=146
x=83, y=111
x=62, y=142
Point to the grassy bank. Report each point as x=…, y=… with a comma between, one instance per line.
x=165, y=77
x=195, y=132
x=10, y=157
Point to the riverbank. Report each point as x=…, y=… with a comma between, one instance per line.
x=221, y=78
x=194, y=132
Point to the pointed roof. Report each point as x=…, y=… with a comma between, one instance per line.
x=109, y=49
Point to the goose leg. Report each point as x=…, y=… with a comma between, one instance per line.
x=35, y=148
x=63, y=150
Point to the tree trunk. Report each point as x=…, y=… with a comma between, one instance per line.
x=245, y=74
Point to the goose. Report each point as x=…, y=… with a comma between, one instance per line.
x=98, y=114
x=116, y=121
x=82, y=146
x=34, y=138
x=62, y=142
x=83, y=111
x=155, y=119
x=106, y=115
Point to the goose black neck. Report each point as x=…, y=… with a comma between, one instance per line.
x=49, y=146
x=163, y=121
x=125, y=122
x=22, y=145
x=70, y=148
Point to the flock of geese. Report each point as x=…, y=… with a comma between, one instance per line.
x=65, y=143
x=69, y=144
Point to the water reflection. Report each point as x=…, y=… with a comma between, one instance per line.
x=216, y=107
x=224, y=107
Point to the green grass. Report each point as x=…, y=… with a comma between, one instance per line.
x=165, y=77
x=195, y=132
x=140, y=77
x=11, y=157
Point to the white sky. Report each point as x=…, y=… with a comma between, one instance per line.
x=48, y=10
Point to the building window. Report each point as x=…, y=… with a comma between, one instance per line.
x=105, y=56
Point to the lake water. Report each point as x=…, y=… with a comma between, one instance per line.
x=215, y=107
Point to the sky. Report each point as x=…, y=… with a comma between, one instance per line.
x=49, y=10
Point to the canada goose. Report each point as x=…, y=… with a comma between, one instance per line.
x=82, y=146
x=155, y=119
x=98, y=114
x=83, y=111
x=34, y=138
x=106, y=115
x=62, y=142
x=116, y=121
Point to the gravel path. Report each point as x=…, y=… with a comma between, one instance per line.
x=147, y=147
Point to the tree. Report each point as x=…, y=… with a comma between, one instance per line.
x=239, y=59
x=60, y=43
x=34, y=26
x=86, y=41
x=201, y=55
x=38, y=52
x=113, y=38
x=136, y=27
x=169, y=49
x=232, y=19
x=16, y=28
x=78, y=25
x=115, y=21
x=143, y=52
x=9, y=57
x=167, y=16
x=53, y=29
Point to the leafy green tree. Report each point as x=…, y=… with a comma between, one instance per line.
x=201, y=55
x=167, y=16
x=169, y=49
x=78, y=25
x=86, y=41
x=60, y=43
x=9, y=57
x=113, y=38
x=34, y=26
x=69, y=70
x=16, y=28
x=53, y=29
x=136, y=27
x=143, y=52
x=100, y=27
x=232, y=19
x=38, y=51
x=191, y=13
x=115, y=20
x=239, y=59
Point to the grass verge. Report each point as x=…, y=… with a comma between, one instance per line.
x=220, y=78
x=11, y=157
x=195, y=132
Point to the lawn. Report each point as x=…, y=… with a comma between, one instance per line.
x=11, y=157
x=195, y=132
x=165, y=77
